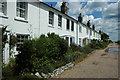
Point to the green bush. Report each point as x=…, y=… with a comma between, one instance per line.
x=7, y=72
x=74, y=47
x=28, y=76
x=79, y=53
x=41, y=55
x=69, y=58
x=73, y=56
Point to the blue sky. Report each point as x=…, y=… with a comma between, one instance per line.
x=104, y=15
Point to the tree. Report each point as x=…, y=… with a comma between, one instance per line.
x=104, y=36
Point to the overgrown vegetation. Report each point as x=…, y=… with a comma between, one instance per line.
x=47, y=53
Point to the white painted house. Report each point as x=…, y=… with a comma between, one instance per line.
x=31, y=19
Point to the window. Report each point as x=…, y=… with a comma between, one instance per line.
x=60, y=20
x=68, y=24
x=86, y=30
x=94, y=33
x=80, y=41
x=80, y=29
x=72, y=40
x=3, y=8
x=90, y=31
x=21, y=38
x=72, y=26
x=67, y=39
x=22, y=9
x=51, y=17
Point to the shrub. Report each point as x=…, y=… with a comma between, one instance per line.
x=69, y=58
x=41, y=55
x=7, y=72
x=74, y=47
x=28, y=76
x=72, y=56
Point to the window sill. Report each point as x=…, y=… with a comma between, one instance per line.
x=67, y=30
x=4, y=16
x=21, y=19
x=50, y=26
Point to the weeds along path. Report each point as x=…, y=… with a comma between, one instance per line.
x=100, y=64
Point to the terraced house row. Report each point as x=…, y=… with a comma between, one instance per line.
x=28, y=20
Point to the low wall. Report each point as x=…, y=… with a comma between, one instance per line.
x=56, y=71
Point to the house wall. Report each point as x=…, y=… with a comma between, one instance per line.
x=37, y=23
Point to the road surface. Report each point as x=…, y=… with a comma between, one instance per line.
x=100, y=64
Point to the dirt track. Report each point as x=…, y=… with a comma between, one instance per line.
x=100, y=64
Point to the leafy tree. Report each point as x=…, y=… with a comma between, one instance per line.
x=104, y=36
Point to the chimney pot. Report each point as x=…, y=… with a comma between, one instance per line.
x=64, y=8
x=88, y=23
x=80, y=18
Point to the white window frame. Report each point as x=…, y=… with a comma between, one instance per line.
x=3, y=8
x=51, y=18
x=91, y=32
x=22, y=10
x=72, y=25
x=21, y=39
x=86, y=30
x=67, y=24
x=94, y=33
x=59, y=20
x=80, y=41
x=80, y=29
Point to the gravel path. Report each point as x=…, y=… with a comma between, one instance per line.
x=100, y=64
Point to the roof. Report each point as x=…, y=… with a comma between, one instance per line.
x=42, y=3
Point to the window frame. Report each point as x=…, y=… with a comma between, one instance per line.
x=72, y=25
x=80, y=41
x=22, y=10
x=3, y=8
x=51, y=18
x=87, y=31
x=59, y=20
x=80, y=29
x=21, y=38
x=67, y=39
x=67, y=24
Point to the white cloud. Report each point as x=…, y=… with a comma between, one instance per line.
x=107, y=23
x=74, y=8
x=95, y=6
x=57, y=6
x=111, y=11
x=87, y=18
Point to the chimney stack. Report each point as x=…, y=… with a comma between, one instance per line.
x=88, y=23
x=80, y=18
x=64, y=8
x=93, y=27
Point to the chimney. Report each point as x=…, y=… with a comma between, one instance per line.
x=100, y=31
x=80, y=18
x=88, y=23
x=93, y=27
x=64, y=8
